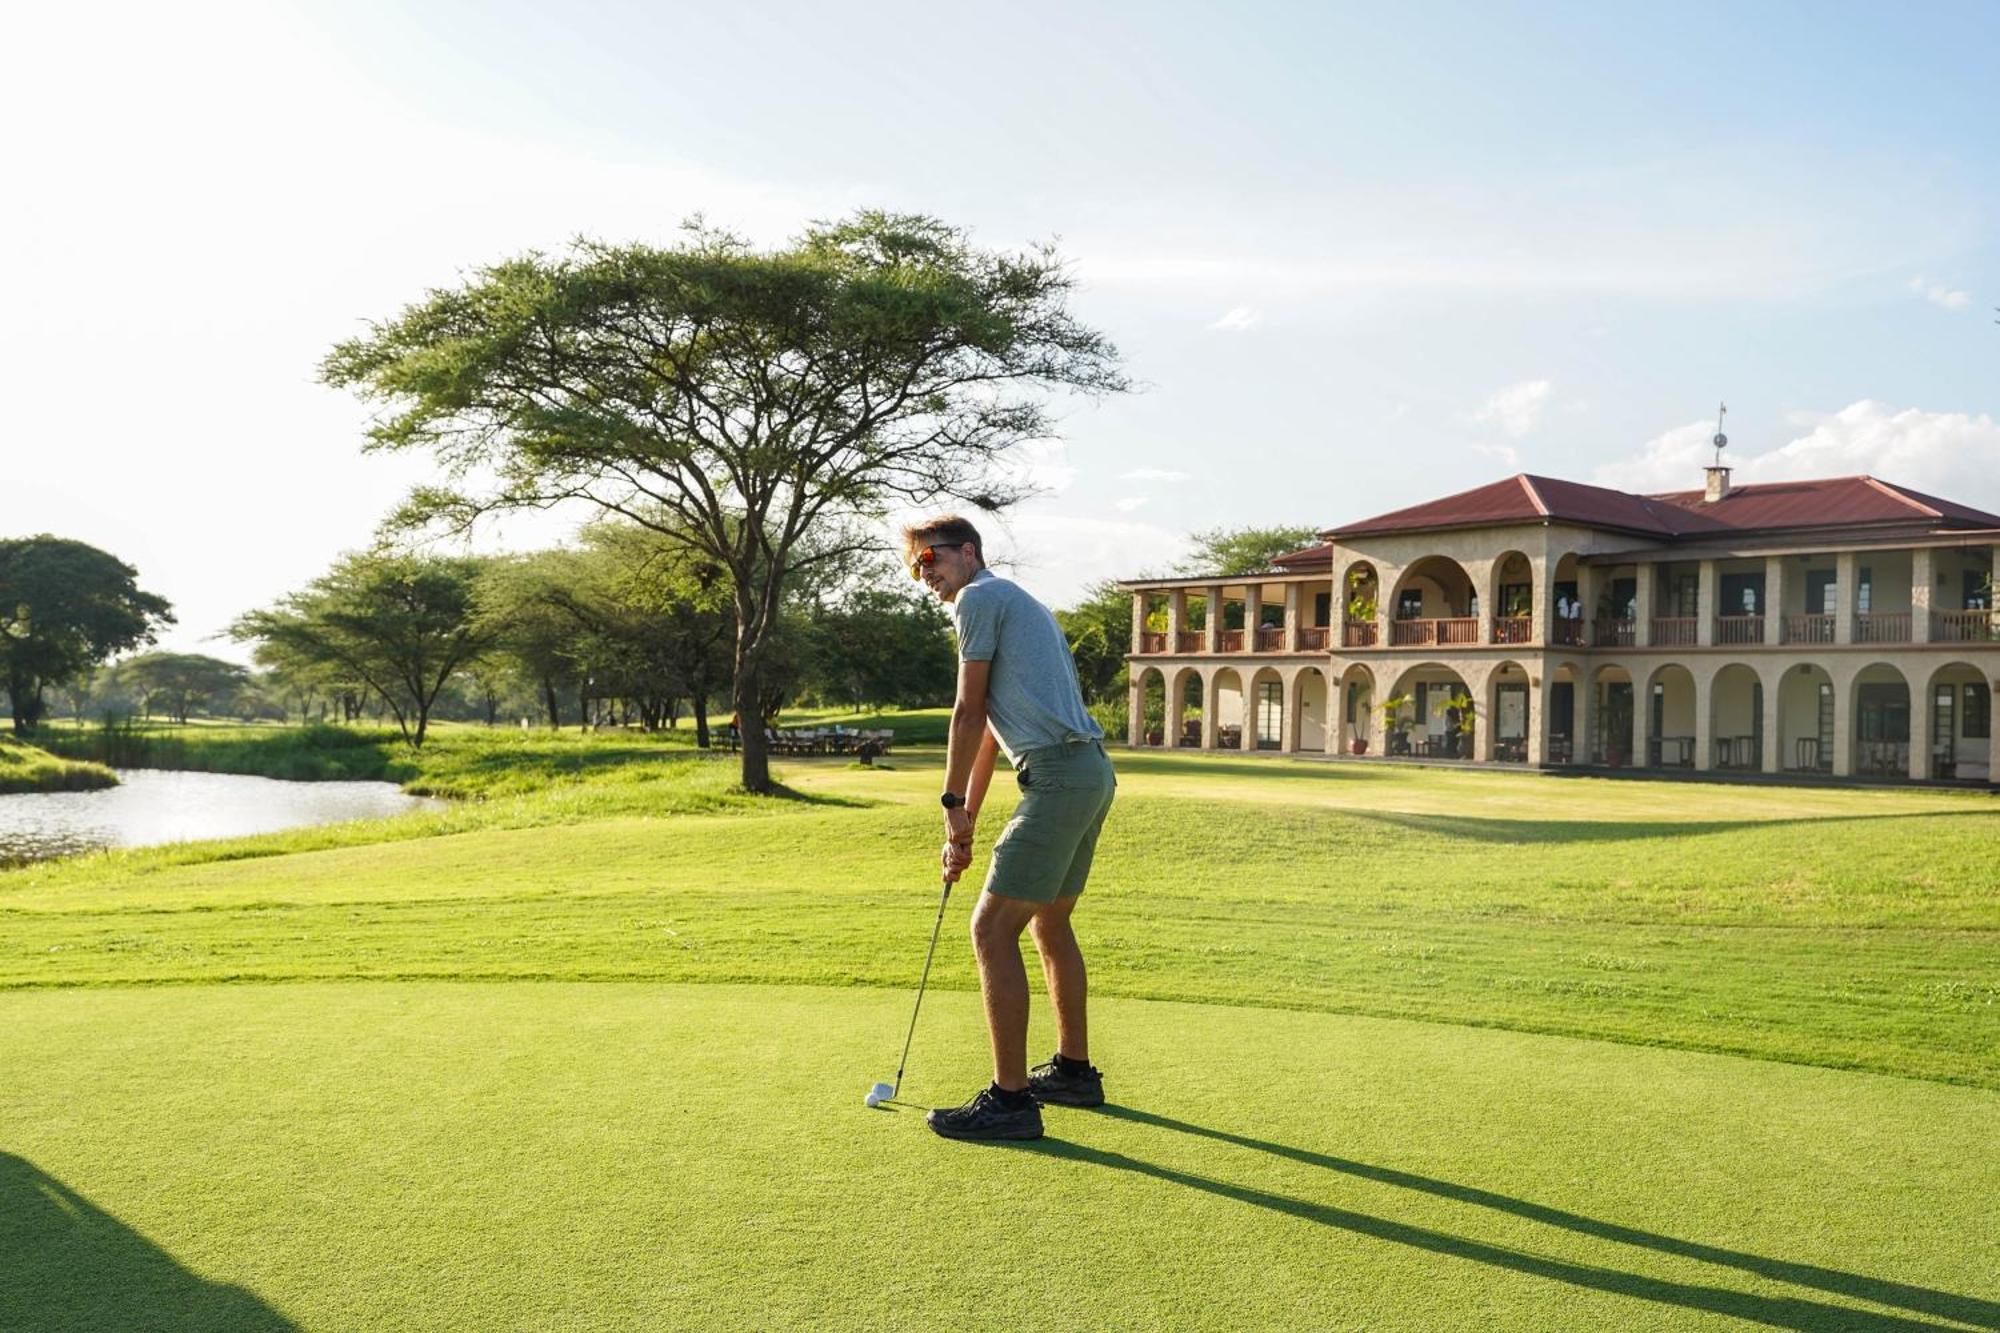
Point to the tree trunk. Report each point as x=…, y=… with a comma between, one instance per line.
x=583, y=708
x=750, y=712
x=554, y=707
x=701, y=722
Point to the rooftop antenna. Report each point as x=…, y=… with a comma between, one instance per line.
x=1720, y=440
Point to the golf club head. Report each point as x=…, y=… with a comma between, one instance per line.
x=881, y=1092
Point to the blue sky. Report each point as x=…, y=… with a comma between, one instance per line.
x=1357, y=255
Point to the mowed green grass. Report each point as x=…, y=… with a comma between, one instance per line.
x=411, y=1111
x=29, y=768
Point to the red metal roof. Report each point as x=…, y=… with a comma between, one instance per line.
x=1763, y=507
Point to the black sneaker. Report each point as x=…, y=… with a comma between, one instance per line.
x=1057, y=1086
x=987, y=1117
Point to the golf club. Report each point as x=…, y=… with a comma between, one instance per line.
x=886, y=1092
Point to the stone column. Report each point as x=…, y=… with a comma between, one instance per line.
x=1247, y=733
x=1589, y=720
x=1135, y=717
x=1484, y=589
x=1642, y=607
x=1176, y=712
x=1138, y=618
x=1642, y=721
x=1773, y=757
x=1176, y=618
x=1923, y=586
x=1336, y=711
x=1541, y=589
x=1291, y=639
x=1774, y=601
x=1482, y=726
x=1211, y=622
x=1253, y=607
x=1706, y=608
x=1846, y=570
x=1704, y=707
x=1923, y=713
x=1294, y=697
x=1211, y=707
x=1843, y=716
x=1586, y=593
x=1539, y=690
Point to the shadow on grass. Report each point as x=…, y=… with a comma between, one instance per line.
x=1209, y=765
x=1779, y=1312
x=67, y=1264
x=1515, y=832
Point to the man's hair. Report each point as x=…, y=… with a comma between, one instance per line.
x=944, y=530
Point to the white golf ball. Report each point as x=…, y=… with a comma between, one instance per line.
x=872, y=1098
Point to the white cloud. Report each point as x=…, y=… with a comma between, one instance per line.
x=1057, y=555
x=1514, y=409
x=1940, y=295
x=1951, y=454
x=1506, y=453
x=1041, y=465
x=1130, y=503
x=1237, y=319
x=1155, y=474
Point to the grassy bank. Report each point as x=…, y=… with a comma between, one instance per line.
x=28, y=768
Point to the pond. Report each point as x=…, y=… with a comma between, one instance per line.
x=152, y=806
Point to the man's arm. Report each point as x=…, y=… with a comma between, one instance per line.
x=967, y=745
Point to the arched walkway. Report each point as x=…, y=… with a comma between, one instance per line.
x=1510, y=592
x=1312, y=723
x=1510, y=708
x=1670, y=719
x=1805, y=720
x=1565, y=717
x=1153, y=707
x=1435, y=711
x=1227, y=702
x=1612, y=717
x=1360, y=615
x=1958, y=715
x=1356, y=716
x=1736, y=719
x=1566, y=610
x=1184, y=708
x=1264, y=728
x=1879, y=723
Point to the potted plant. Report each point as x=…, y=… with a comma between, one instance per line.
x=1359, y=745
x=1397, y=713
x=1458, y=711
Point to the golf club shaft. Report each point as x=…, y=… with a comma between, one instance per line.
x=928, y=955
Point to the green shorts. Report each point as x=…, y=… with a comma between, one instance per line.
x=1044, y=853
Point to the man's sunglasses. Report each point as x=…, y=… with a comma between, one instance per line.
x=924, y=559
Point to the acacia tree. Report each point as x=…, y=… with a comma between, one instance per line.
x=65, y=607
x=181, y=682
x=745, y=403
x=400, y=624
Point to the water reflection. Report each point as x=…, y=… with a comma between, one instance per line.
x=154, y=807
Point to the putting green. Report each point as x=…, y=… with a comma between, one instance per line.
x=570, y=1156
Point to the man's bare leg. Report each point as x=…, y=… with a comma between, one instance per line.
x=997, y=924
x=1062, y=970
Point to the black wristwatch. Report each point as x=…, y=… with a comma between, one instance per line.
x=951, y=800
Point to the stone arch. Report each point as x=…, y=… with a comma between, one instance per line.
x=1564, y=729
x=1563, y=622
x=1957, y=710
x=1510, y=713
x=1355, y=712
x=1228, y=699
x=1736, y=718
x=1309, y=722
x=1805, y=719
x=1152, y=688
x=1672, y=716
x=1514, y=611
x=1181, y=728
x=1434, y=601
x=1612, y=713
x=1434, y=727
x=1879, y=715
x=1360, y=581
x=1264, y=723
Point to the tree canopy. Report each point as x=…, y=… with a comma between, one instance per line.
x=66, y=607
x=1243, y=550
x=763, y=408
x=179, y=683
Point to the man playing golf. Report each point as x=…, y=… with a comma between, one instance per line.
x=1017, y=691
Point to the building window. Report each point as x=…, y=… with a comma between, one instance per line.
x=1885, y=712
x=1742, y=594
x=1822, y=592
x=1410, y=604
x=1322, y=608
x=1864, y=591
x=1978, y=712
x=1517, y=599
x=1978, y=593
x=1686, y=595
x=1624, y=598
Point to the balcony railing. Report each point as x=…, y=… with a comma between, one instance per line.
x=1513, y=629
x=1270, y=639
x=1618, y=633
x=1965, y=627
x=1811, y=628
x=1569, y=633
x=1675, y=631
x=1420, y=633
x=1229, y=641
x=1150, y=642
x=1360, y=634
x=1190, y=641
x=1312, y=638
x=1739, y=629
x=1882, y=627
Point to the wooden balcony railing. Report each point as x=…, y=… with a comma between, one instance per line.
x=1229, y=641
x=1270, y=639
x=1882, y=627
x=1811, y=628
x=1569, y=633
x=1739, y=629
x=1619, y=633
x=1421, y=633
x=1513, y=629
x=1965, y=627
x=1312, y=638
x=1360, y=634
x=1150, y=642
x=1675, y=631
x=1191, y=641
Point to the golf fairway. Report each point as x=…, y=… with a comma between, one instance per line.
x=560, y=1155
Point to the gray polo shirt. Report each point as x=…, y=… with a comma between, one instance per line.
x=1032, y=697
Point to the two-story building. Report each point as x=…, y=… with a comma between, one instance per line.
x=1841, y=627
